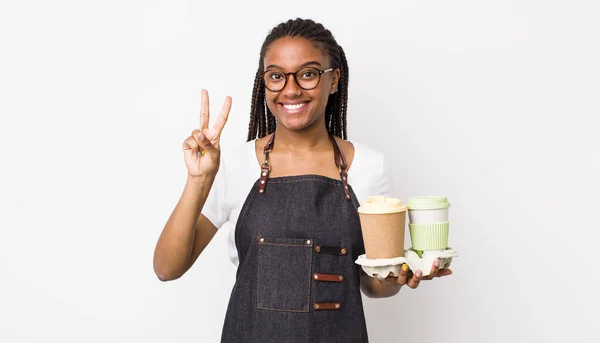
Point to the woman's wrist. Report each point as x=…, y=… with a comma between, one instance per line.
x=200, y=181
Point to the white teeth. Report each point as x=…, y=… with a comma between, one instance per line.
x=294, y=106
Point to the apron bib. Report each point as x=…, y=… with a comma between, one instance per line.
x=297, y=238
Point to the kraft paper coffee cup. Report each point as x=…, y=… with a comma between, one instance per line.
x=383, y=222
x=429, y=224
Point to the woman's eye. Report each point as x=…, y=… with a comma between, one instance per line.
x=308, y=74
x=276, y=76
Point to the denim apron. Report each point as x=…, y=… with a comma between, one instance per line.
x=297, y=238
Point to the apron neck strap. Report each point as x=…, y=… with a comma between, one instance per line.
x=340, y=162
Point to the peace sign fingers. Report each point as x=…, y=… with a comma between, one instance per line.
x=214, y=133
x=202, y=149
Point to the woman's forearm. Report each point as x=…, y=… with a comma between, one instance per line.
x=173, y=252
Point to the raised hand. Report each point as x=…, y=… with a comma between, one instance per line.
x=201, y=150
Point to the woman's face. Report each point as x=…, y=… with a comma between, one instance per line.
x=296, y=108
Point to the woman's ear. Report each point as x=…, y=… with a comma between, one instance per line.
x=335, y=81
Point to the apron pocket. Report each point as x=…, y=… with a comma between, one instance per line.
x=284, y=274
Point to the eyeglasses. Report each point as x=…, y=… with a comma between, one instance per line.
x=307, y=78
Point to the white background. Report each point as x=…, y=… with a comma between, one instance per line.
x=490, y=103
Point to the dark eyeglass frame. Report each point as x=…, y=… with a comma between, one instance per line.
x=321, y=72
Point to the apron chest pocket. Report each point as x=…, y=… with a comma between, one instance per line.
x=284, y=274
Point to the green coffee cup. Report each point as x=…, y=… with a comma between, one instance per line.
x=429, y=225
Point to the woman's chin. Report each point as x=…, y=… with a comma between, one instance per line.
x=296, y=123
x=294, y=126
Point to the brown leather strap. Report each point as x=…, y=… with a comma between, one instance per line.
x=328, y=277
x=340, y=161
x=269, y=145
x=331, y=250
x=265, y=167
x=327, y=306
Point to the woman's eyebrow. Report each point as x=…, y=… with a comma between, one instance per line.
x=274, y=66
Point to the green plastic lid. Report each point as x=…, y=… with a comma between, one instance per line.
x=430, y=202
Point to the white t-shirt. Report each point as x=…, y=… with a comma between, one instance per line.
x=368, y=175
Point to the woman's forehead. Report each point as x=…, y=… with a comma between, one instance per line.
x=290, y=53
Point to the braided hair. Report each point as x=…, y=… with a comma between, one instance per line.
x=262, y=121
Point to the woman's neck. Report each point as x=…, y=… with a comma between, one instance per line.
x=306, y=140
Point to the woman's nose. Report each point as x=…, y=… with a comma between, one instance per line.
x=291, y=89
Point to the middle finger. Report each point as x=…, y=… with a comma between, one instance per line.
x=415, y=280
x=222, y=118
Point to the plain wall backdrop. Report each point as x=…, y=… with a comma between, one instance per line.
x=490, y=103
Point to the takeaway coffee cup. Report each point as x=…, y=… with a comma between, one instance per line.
x=428, y=222
x=383, y=221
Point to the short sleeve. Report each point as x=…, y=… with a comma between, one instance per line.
x=214, y=207
x=386, y=184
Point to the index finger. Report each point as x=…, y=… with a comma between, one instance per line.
x=403, y=275
x=204, y=110
x=222, y=118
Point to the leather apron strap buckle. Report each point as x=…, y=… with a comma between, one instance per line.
x=265, y=167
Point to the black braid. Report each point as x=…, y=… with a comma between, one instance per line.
x=253, y=126
x=262, y=121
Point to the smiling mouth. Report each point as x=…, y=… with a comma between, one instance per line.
x=294, y=108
